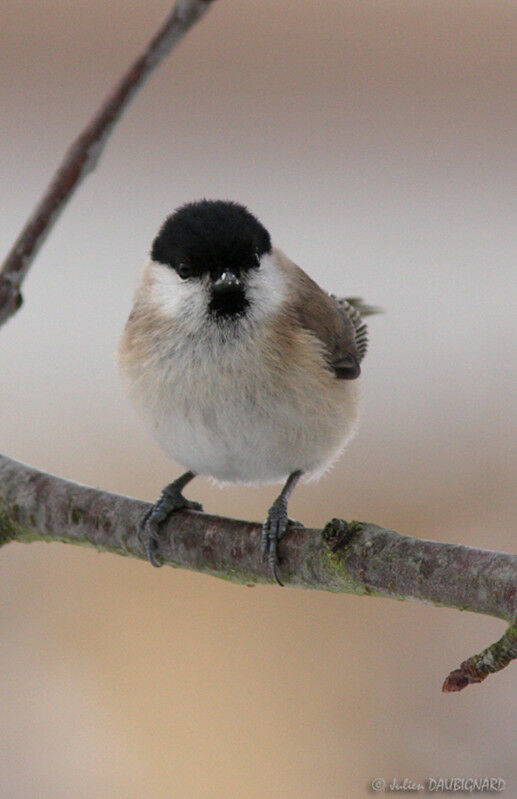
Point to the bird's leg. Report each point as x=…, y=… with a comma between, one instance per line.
x=170, y=500
x=275, y=526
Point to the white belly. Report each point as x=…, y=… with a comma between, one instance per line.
x=239, y=418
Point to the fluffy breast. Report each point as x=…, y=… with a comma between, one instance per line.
x=247, y=402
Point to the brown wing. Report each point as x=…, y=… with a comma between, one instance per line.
x=337, y=323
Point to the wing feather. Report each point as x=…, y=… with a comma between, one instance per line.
x=337, y=323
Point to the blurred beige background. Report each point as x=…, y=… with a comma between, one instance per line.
x=376, y=140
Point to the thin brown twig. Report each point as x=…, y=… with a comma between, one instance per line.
x=84, y=153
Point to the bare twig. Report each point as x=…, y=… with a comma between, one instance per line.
x=84, y=153
x=358, y=558
x=492, y=659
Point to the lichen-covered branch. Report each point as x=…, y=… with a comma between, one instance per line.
x=358, y=558
x=84, y=153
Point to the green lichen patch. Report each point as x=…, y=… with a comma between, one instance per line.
x=8, y=528
x=337, y=576
x=76, y=515
x=13, y=526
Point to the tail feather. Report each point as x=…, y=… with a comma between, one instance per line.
x=362, y=307
x=355, y=309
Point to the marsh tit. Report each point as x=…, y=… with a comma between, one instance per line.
x=245, y=369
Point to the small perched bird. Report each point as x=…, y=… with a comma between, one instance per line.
x=244, y=367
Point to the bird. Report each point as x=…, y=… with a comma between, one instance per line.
x=244, y=368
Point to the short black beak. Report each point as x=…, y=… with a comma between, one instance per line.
x=226, y=283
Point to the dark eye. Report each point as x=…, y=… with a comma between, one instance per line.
x=256, y=259
x=184, y=271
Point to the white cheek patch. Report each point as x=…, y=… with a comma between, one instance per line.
x=187, y=301
x=176, y=298
x=266, y=288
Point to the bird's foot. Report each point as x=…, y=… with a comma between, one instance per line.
x=170, y=500
x=273, y=530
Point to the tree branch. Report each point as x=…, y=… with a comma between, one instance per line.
x=84, y=153
x=355, y=558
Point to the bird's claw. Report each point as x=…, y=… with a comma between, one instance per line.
x=273, y=530
x=171, y=500
x=148, y=536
